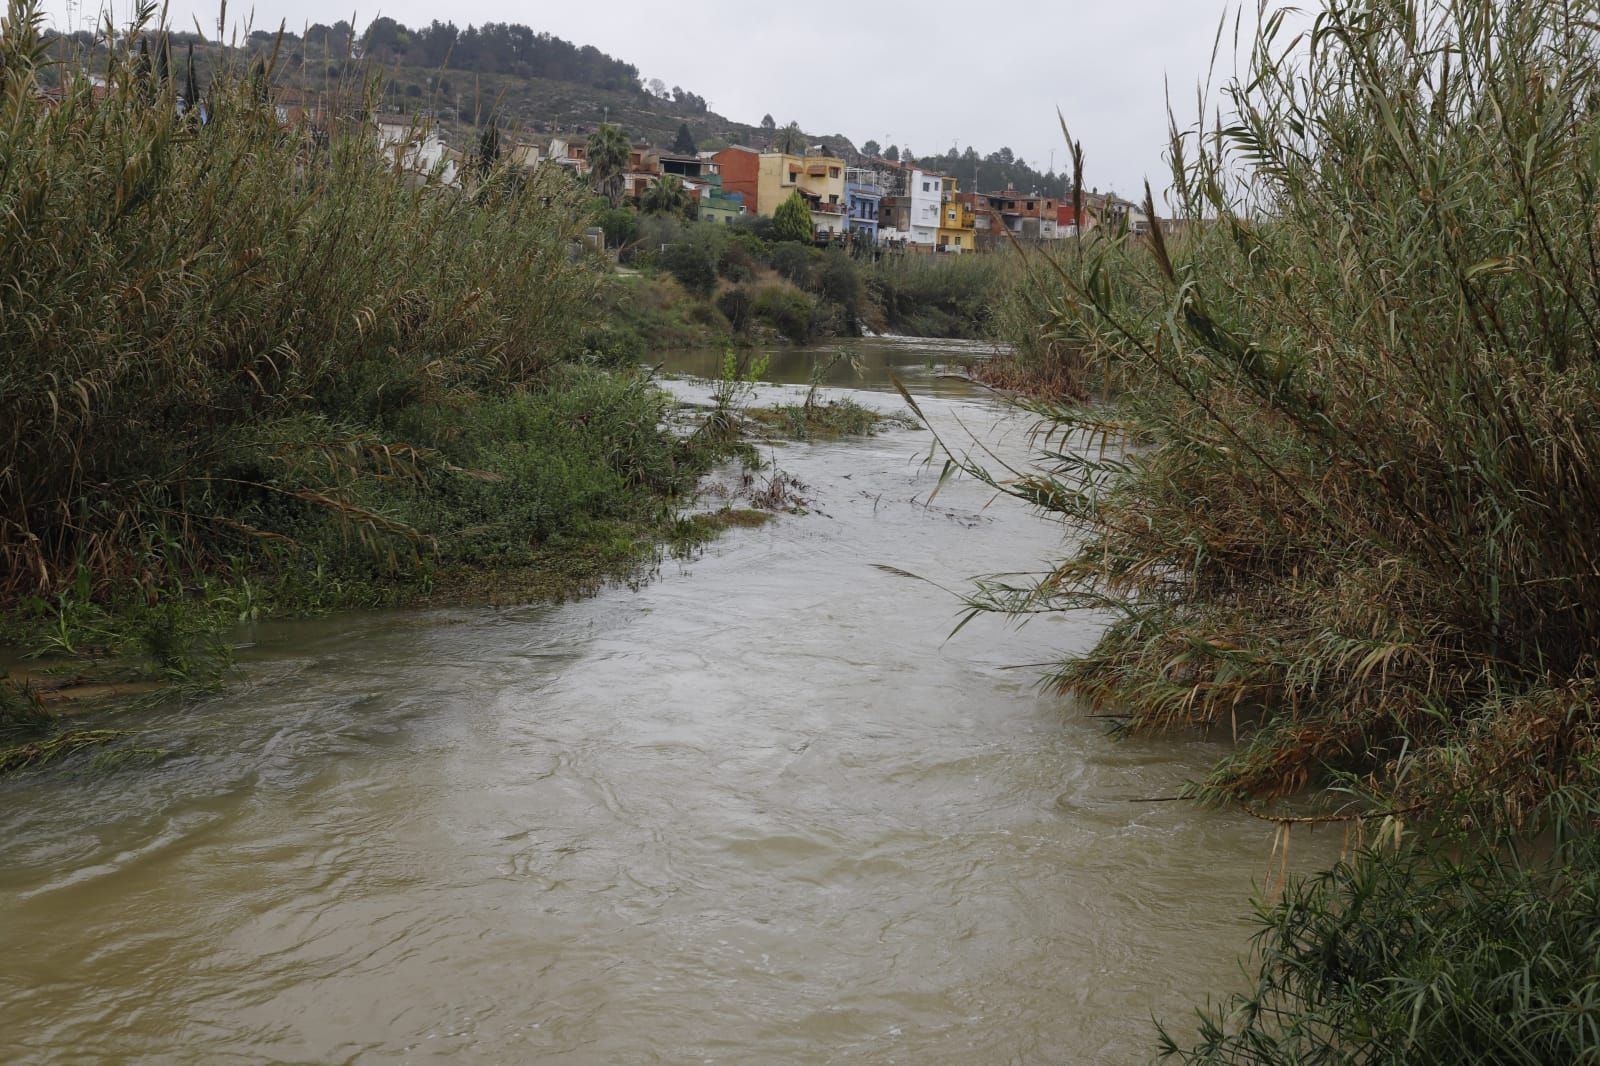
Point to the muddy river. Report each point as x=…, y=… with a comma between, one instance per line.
x=760, y=809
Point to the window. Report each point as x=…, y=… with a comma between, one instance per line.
x=833, y=172
x=1030, y=205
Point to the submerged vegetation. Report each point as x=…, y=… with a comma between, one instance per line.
x=1328, y=458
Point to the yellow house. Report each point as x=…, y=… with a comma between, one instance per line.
x=817, y=178
x=957, y=226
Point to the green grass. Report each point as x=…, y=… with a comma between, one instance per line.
x=1483, y=951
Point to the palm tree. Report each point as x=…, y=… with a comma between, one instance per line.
x=791, y=139
x=666, y=197
x=608, y=161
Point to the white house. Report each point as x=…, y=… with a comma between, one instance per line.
x=925, y=194
x=417, y=149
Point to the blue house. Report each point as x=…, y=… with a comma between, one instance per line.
x=863, y=195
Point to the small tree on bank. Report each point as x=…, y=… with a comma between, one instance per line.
x=792, y=220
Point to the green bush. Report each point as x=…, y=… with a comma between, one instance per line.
x=796, y=262
x=838, y=280
x=737, y=306
x=1360, y=532
x=736, y=263
x=941, y=295
x=791, y=221
x=619, y=224
x=539, y=464
x=790, y=312
x=248, y=305
x=694, y=266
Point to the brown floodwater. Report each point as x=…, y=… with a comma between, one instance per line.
x=761, y=809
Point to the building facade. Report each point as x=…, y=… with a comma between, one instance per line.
x=819, y=180
x=957, y=223
x=740, y=169
x=1028, y=216
x=863, y=203
x=911, y=206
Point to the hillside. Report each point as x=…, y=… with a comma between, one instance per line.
x=534, y=84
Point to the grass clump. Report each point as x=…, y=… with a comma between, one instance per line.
x=822, y=419
x=1482, y=953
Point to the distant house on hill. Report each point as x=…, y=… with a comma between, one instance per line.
x=570, y=150
x=957, y=224
x=740, y=168
x=1066, y=221
x=413, y=146
x=642, y=172
x=864, y=202
x=526, y=154
x=912, y=206
x=1028, y=216
x=819, y=179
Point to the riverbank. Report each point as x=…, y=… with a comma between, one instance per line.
x=1343, y=511
x=691, y=285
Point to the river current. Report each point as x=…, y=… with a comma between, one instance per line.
x=761, y=809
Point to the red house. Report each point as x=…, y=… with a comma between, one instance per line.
x=739, y=167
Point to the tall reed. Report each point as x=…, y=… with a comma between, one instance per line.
x=208, y=308
x=1347, y=503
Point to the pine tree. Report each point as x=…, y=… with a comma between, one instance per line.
x=683, y=144
x=792, y=220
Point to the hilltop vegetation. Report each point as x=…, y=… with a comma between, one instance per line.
x=536, y=82
x=529, y=81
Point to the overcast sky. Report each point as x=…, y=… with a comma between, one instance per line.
x=922, y=75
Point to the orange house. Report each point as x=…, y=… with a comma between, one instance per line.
x=741, y=172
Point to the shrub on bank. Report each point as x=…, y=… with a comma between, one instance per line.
x=789, y=311
x=1484, y=952
x=939, y=295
